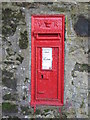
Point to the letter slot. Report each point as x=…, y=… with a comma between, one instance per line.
x=48, y=36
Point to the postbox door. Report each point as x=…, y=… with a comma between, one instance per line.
x=47, y=73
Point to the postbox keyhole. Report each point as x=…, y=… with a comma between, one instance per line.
x=42, y=76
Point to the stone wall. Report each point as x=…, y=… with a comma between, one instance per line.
x=16, y=60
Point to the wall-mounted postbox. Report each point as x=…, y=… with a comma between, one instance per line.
x=47, y=60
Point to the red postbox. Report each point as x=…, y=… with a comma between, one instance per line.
x=47, y=60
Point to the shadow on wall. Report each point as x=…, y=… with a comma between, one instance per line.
x=81, y=27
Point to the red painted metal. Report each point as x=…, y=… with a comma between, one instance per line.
x=47, y=85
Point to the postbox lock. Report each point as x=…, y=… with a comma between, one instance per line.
x=42, y=76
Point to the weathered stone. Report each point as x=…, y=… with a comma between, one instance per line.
x=82, y=67
x=5, y=41
x=23, y=41
x=11, y=118
x=8, y=82
x=10, y=20
x=19, y=58
x=81, y=27
x=63, y=7
x=9, y=107
x=10, y=52
x=16, y=43
x=6, y=73
x=25, y=110
x=10, y=96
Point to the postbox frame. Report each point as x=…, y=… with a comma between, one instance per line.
x=34, y=100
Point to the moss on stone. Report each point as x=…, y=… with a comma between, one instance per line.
x=10, y=20
x=25, y=110
x=37, y=111
x=12, y=118
x=63, y=7
x=8, y=62
x=23, y=41
x=59, y=9
x=82, y=67
x=10, y=51
x=4, y=39
x=72, y=82
x=30, y=5
x=20, y=58
x=9, y=107
x=7, y=73
x=82, y=104
x=26, y=80
x=20, y=17
x=72, y=49
x=10, y=83
x=8, y=30
x=7, y=13
x=9, y=24
x=85, y=67
x=81, y=26
x=73, y=74
x=10, y=96
x=24, y=97
x=7, y=96
x=21, y=4
x=46, y=110
x=74, y=17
